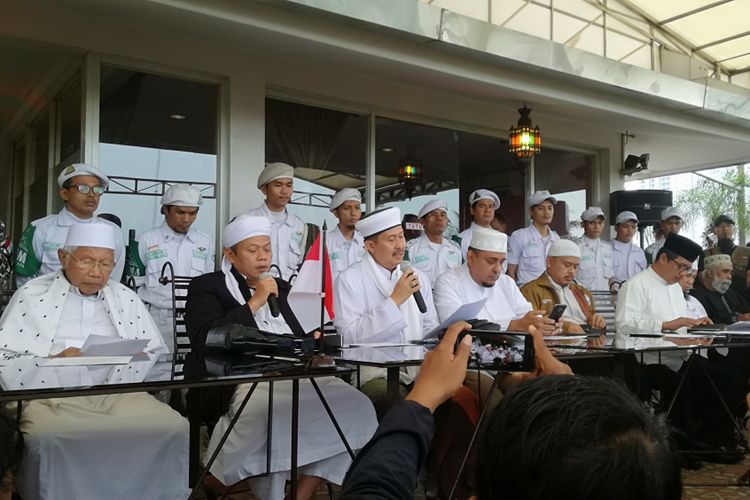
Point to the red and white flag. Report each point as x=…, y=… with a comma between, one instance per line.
x=304, y=297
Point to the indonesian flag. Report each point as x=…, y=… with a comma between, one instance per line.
x=305, y=295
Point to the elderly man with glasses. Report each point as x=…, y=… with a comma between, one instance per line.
x=81, y=187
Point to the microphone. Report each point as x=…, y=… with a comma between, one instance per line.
x=405, y=266
x=273, y=300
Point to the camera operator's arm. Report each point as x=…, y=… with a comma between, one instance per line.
x=387, y=467
x=546, y=364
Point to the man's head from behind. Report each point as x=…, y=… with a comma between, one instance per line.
x=88, y=256
x=384, y=237
x=180, y=205
x=487, y=253
x=575, y=437
x=718, y=276
x=563, y=260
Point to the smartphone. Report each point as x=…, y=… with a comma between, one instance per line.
x=557, y=312
x=509, y=352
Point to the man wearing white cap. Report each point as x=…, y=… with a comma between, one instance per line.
x=431, y=252
x=595, y=271
x=482, y=206
x=628, y=258
x=81, y=187
x=345, y=244
x=239, y=294
x=190, y=251
x=555, y=286
x=481, y=277
x=527, y=247
x=374, y=299
x=93, y=436
x=671, y=223
x=289, y=233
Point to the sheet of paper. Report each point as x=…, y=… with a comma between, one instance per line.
x=99, y=345
x=463, y=313
x=86, y=361
x=741, y=326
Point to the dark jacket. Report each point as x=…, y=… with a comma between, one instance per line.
x=717, y=310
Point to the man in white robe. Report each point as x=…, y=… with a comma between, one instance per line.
x=239, y=294
x=345, y=244
x=374, y=299
x=72, y=443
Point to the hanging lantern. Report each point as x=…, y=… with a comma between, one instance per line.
x=409, y=174
x=525, y=140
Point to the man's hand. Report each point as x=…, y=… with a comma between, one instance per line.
x=263, y=289
x=70, y=352
x=681, y=322
x=536, y=319
x=597, y=321
x=442, y=372
x=546, y=363
x=744, y=317
x=689, y=341
x=574, y=328
x=597, y=342
x=406, y=285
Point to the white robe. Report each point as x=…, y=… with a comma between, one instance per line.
x=72, y=443
x=644, y=302
x=504, y=300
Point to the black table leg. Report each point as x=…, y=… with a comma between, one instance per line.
x=295, y=429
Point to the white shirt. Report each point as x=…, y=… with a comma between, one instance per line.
x=81, y=316
x=596, y=264
x=466, y=235
x=504, y=300
x=50, y=234
x=287, y=239
x=528, y=250
x=342, y=252
x=644, y=302
x=364, y=315
x=694, y=308
x=573, y=313
x=628, y=260
x=433, y=258
x=191, y=254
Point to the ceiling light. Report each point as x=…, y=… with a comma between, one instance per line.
x=525, y=139
x=177, y=116
x=387, y=150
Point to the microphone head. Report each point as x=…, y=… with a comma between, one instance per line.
x=264, y=276
x=405, y=266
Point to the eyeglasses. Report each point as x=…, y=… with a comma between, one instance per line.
x=89, y=264
x=86, y=189
x=683, y=268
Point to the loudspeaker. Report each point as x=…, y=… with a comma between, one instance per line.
x=647, y=204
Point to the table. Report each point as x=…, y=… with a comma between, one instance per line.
x=29, y=379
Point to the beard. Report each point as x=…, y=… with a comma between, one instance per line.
x=726, y=245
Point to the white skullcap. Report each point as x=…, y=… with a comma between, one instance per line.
x=275, y=171
x=591, y=213
x=671, y=212
x=490, y=240
x=244, y=227
x=346, y=194
x=94, y=234
x=484, y=194
x=182, y=195
x=540, y=196
x=564, y=248
x=81, y=169
x=718, y=260
x=433, y=205
x=626, y=216
x=379, y=221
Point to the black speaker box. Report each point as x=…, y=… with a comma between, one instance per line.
x=647, y=204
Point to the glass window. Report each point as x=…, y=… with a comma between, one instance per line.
x=69, y=122
x=156, y=131
x=40, y=171
x=327, y=148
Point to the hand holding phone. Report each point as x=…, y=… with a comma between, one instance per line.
x=557, y=312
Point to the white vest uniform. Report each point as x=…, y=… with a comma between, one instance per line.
x=72, y=444
x=433, y=259
x=50, y=235
x=504, y=300
x=342, y=252
x=191, y=254
x=654, y=248
x=644, y=302
x=365, y=313
x=287, y=240
x=528, y=250
x=628, y=260
x=596, y=264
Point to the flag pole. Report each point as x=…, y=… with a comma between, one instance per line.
x=323, y=253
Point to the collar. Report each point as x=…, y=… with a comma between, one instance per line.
x=267, y=212
x=474, y=225
x=75, y=291
x=357, y=236
x=388, y=274
x=555, y=286
x=170, y=234
x=536, y=234
x=618, y=243
x=590, y=241
x=656, y=276
x=66, y=218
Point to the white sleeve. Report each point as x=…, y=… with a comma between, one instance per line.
x=629, y=311
x=430, y=319
x=446, y=297
x=384, y=323
x=515, y=247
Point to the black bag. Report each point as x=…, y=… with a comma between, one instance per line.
x=236, y=338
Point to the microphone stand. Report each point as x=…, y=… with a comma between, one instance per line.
x=323, y=253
